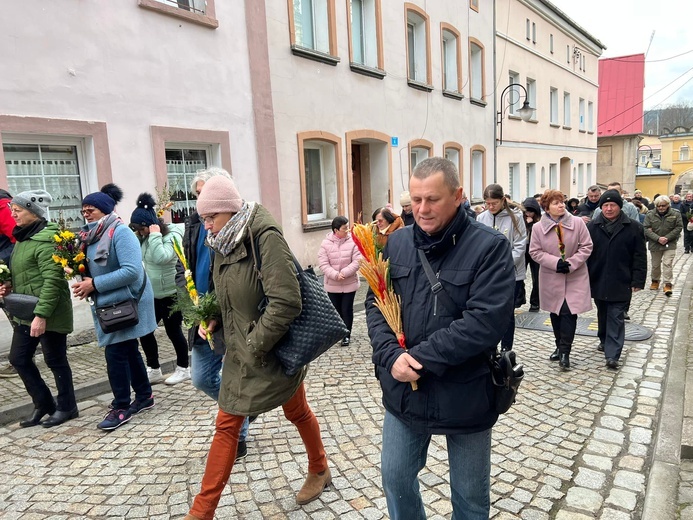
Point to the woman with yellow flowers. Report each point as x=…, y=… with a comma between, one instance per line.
x=35, y=273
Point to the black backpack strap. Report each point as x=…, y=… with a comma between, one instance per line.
x=437, y=287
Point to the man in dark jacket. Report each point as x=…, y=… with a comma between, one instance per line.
x=686, y=209
x=206, y=363
x=617, y=267
x=448, y=349
x=586, y=209
x=405, y=202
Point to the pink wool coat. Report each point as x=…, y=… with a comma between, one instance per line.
x=339, y=255
x=554, y=287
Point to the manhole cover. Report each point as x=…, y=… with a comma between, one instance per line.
x=585, y=326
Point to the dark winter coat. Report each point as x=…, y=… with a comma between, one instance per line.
x=618, y=263
x=668, y=225
x=474, y=264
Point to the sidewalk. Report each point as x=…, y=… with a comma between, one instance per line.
x=583, y=444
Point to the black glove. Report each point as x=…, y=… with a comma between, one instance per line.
x=563, y=267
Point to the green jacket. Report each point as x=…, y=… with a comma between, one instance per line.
x=668, y=225
x=34, y=272
x=160, y=260
x=253, y=380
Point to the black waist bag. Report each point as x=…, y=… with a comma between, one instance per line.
x=121, y=315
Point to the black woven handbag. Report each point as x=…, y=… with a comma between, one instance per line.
x=315, y=330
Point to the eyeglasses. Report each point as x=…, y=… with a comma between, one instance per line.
x=87, y=211
x=662, y=205
x=209, y=219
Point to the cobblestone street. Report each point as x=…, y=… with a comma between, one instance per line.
x=577, y=444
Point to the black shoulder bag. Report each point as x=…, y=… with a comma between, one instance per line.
x=505, y=372
x=315, y=330
x=121, y=315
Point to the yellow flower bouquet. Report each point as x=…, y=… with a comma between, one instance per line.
x=68, y=253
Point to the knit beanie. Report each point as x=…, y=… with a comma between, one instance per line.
x=405, y=199
x=36, y=201
x=144, y=215
x=104, y=200
x=219, y=195
x=611, y=196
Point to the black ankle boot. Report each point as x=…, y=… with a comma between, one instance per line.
x=36, y=417
x=564, y=361
x=554, y=356
x=60, y=417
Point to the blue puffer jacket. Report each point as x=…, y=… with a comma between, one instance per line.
x=475, y=266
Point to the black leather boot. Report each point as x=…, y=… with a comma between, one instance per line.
x=554, y=356
x=36, y=416
x=59, y=417
x=564, y=361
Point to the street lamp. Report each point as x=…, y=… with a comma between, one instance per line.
x=525, y=112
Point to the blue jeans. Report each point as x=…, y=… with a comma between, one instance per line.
x=205, y=372
x=404, y=456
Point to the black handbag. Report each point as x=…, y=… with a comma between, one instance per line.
x=506, y=374
x=315, y=330
x=121, y=315
x=21, y=306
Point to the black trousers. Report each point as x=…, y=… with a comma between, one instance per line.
x=172, y=324
x=54, y=347
x=611, y=326
x=534, y=269
x=344, y=303
x=126, y=369
x=564, y=325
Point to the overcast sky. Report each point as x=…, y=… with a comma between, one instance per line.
x=625, y=27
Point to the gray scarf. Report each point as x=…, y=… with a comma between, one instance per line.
x=101, y=231
x=232, y=233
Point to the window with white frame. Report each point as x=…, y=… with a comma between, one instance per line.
x=553, y=176
x=532, y=96
x=531, y=179
x=320, y=179
x=513, y=93
x=514, y=180
x=534, y=32
x=588, y=180
x=364, y=32
x=528, y=29
x=417, y=47
x=684, y=153
x=590, y=116
x=418, y=154
x=582, y=114
x=567, y=53
x=553, y=100
x=195, y=6
x=477, y=71
x=551, y=43
x=453, y=155
x=312, y=25
x=581, y=179
x=477, y=174
x=566, y=109
x=451, y=58
x=50, y=164
x=182, y=164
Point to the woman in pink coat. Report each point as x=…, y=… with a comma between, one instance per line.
x=561, y=246
x=339, y=261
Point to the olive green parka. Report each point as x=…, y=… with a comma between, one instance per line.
x=34, y=272
x=253, y=381
x=668, y=225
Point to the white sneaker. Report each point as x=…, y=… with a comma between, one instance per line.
x=180, y=375
x=155, y=375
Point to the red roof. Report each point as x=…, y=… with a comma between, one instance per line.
x=621, y=86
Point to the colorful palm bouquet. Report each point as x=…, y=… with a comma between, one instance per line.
x=195, y=309
x=376, y=271
x=5, y=274
x=68, y=253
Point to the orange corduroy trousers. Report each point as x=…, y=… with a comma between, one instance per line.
x=222, y=453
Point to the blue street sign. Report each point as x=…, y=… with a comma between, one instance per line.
x=395, y=141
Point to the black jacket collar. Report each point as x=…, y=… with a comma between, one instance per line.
x=438, y=244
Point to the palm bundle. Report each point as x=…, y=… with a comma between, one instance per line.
x=376, y=271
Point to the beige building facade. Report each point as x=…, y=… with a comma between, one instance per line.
x=553, y=63
x=317, y=109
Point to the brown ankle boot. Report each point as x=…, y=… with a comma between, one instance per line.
x=654, y=285
x=313, y=486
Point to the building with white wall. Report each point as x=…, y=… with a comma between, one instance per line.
x=317, y=108
x=554, y=60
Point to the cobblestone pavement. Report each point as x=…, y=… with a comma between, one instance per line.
x=577, y=444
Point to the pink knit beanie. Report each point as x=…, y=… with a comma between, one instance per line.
x=219, y=195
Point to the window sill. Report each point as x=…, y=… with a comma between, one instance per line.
x=582, y=131
x=316, y=225
x=304, y=52
x=477, y=102
x=567, y=127
x=533, y=121
x=177, y=12
x=554, y=125
x=366, y=70
x=590, y=132
x=419, y=85
x=514, y=117
x=453, y=95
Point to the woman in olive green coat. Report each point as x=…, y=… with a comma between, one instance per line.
x=663, y=227
x=35, y=273
x=253, y=381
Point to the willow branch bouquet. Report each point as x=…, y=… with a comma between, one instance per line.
x=195, y=309
x=163, y=200
x=376, y=271
x=69, y=254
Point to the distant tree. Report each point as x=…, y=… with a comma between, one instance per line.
x=665, y=120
